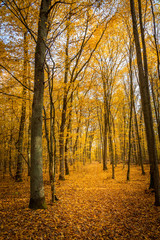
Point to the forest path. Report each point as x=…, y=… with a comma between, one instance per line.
x=91, y=206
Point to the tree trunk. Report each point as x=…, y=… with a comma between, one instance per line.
x=146, y=106
x=124, y=137
x=139, y=141
x=156, y=103
x=37, y=196
x=156, y=40
x=91, y=137
x=68, y=137
x=18, y=176
x=145, y=65
x=10, y=146
x=86, y=139
x=105, y=127
x=66, y=146
x=100, y=143
x=131, y=108
x=64, y=109
x=111, y=150
x=29, y=126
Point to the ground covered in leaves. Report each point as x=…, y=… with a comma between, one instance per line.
x=91, y=206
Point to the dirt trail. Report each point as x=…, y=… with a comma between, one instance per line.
x=91, y=206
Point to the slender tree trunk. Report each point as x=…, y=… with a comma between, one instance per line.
x=77, y=134
x=115, y=146
x=146, y=106
x=85, y=143
x=50, y=135
x=29, y=126
x=142, y=136
x=66, y=157
x=145, y=65
x=124, y=138
x=91, y=137
x=64, y=109
x=100, y=143
x=10, y=146
x=10, y=155
x=52, y=153
x=37, y=196
x=68, y=137
x=139, y=141
x=156, y=40
x=29, y=147
x=105, y=127
x=18, y=176
x=131, y=108
x=156, y=105
x=66, y=145
x=4, y=157
x=158, y=69
x=134, y=149
x=111, y=150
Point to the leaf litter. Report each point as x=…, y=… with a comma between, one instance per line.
x=91, y=206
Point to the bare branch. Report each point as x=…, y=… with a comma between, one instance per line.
x=12, y=95
x=16, y=78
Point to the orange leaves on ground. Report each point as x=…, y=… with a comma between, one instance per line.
x=91, y=206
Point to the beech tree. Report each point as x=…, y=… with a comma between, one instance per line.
x=145, y=99
x=37, y=197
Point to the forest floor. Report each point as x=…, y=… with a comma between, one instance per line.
x=91, y=206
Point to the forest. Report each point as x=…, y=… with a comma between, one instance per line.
x=79, y=119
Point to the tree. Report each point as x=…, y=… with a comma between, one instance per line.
x=131, y=106
x=37, y=196
x=145, y=100
x=23, y=114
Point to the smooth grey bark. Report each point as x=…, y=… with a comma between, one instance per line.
x=37, y=196
x=146, y=104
